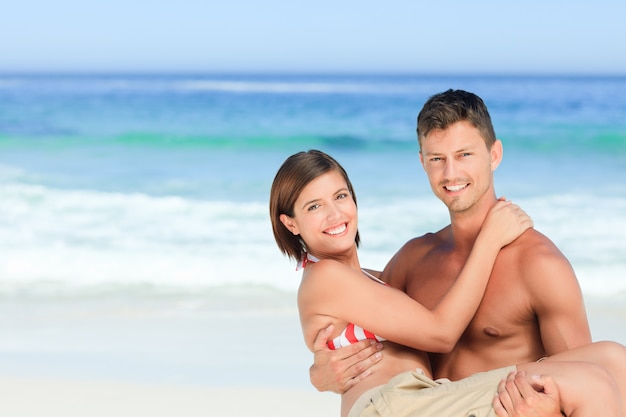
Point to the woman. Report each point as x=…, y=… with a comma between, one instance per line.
x=314, y=219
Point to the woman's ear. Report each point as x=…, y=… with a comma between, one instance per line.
x=289, y=223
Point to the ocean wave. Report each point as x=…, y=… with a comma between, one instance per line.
x=79, y=240
x=112, y=84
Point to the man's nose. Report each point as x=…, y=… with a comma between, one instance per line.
x=450, y=168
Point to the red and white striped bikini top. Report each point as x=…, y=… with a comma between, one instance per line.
x=352, y=333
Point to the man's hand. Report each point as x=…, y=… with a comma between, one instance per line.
x=520, y=396
x=339, y=370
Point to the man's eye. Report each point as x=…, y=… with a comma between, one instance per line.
x=342, y=195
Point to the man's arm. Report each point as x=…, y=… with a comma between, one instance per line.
x=339, y=370
x=557, y=300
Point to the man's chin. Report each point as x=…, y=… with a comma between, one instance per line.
x=458, y=206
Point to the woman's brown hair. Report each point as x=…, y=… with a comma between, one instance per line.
x=294, y=174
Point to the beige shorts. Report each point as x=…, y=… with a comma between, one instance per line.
x=412, y=394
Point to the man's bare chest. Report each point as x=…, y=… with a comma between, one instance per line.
x=504, y=312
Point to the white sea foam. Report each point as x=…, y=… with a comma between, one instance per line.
x=86, y=237
x=298, y=85
x=72, y=239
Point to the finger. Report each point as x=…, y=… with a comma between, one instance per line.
x=498, y=408
x=512, y=390
x=512, y=399
x=549, y=385
x=523, y=385
x=372, y=348
x=504, y=397
x=502, y=203
x=364, y=360
x=321, y=340
x=339, y=370
x=361, y=369
x=349, y=383
x=357, y=352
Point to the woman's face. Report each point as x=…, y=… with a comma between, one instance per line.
x=325, y=216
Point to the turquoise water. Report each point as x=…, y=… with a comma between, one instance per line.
x=162, y=181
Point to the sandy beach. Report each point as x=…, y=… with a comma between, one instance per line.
x=40, y=397
x=156, y=359
x=152, y=355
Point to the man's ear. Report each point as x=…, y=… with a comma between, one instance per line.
x=289, y=224
x=496, y=153
x=422, y=159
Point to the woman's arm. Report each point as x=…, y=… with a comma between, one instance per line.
x=335, y=290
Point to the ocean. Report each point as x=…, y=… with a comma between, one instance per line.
x=134, y=224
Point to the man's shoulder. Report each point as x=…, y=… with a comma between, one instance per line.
x=538, y=261
x=426, y=241
x=402, y=265
x=533, y=244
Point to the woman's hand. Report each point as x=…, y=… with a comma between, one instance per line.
x=504, y=223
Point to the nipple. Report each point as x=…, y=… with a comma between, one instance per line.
x=490, y=331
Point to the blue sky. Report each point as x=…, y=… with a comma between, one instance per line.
x=322, y=36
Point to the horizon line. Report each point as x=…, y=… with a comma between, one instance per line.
x=199, y=72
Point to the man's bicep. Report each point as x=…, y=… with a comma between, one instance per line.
x=560, y=307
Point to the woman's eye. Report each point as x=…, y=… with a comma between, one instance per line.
x=313, y=207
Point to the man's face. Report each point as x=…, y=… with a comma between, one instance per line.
x=459, y=165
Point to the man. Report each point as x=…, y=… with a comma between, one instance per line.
x=533, y=305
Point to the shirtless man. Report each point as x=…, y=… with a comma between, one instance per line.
x=533, y=305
